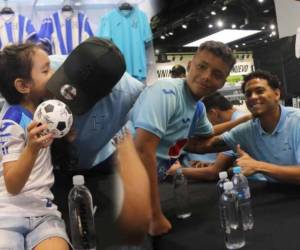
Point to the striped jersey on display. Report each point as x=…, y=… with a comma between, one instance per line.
x=63, y=34
x=16, y=29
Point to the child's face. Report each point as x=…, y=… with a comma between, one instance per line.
x=40, y=74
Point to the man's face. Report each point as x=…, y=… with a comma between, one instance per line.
x=207, y=73
x=260, y=97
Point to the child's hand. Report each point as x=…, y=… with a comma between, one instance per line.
x=36, y=137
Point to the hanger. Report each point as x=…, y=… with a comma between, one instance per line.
x=125, y=6
x=6, y=10
x=67, y=8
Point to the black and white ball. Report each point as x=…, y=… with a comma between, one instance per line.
x=57, y=115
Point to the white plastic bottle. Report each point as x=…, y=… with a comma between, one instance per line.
x=230, y=218
x=241, y=186
x=220, y=185
x=81, y=216
x=181, y=195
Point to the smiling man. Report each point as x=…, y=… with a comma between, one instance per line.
x=269, y=145
x=167, y=113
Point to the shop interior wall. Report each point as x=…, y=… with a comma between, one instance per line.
x=93, y=11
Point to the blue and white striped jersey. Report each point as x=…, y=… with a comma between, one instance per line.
x=16, y=29
x=64, y=34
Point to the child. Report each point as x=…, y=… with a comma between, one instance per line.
x=28, y=218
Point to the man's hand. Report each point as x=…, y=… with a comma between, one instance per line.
x=247, y=164
x=173, y=168
x=159, y=225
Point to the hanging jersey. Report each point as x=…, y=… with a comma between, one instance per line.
x=130, y=31
x=35, y=198
x=16, y=29
x=64, y=34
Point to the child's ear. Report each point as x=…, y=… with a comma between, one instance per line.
x=22, y=86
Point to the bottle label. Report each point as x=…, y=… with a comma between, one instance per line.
x=244, y=194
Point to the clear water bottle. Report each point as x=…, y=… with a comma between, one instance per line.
x=230, y=218
x=241, y=186
x=220, y=185
x=81, y=216
x=181, y=195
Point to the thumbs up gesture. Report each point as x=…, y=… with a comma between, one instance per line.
x=248, y=165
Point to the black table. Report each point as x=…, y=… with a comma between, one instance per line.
x=276, y=209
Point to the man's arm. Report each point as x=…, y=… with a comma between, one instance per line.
x=209, y=173
x=136, y=209
x=226, y=126
x=146, y=145
x=249, y=166
x=201, y=145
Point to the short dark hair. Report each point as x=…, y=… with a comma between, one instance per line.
x=217, y=100
x=219, y=49
x=271, y=79
x=177, y=70
x=15, y=62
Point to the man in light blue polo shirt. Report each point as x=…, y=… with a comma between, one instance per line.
x=167, y=113
x=269, y=145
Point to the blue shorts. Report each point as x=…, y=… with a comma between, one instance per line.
x=24, y=233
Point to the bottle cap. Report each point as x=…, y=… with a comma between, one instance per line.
x=78, y=180
x=223, y=175
x=228, y=185
x=236, y=170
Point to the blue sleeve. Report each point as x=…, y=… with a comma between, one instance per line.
x=45, y=32
x=104, y=29
x=147, y=33
x=200, y=124
x=87, y=28
x=237, y=135
x=154, y=110
x=31, y=33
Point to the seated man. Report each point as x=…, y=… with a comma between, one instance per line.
x=269, y=145
x=201, y=166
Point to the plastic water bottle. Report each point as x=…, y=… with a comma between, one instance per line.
x=220, y=185
x=181, y=195
x=81, y=216
x=230, y=218
x=240, y=184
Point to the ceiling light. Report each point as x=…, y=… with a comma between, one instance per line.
x=162, y=37
x=266, y=11
x=220, y=23
x=265, y=41
x=77, y=3
x=260, y=1
x=236, y=46
x=224, y=8
x=225, y=36
x=272, y=26
x=157, y=51
x=273, y=33
x=210, y=26
x=233, y=26
x=263, y=27
x=171, y=33
x=184, y=26
x=244, y=44
x=213, y=13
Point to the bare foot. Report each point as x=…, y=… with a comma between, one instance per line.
x=159, y=225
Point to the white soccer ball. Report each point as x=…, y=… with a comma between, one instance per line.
x=56, y=115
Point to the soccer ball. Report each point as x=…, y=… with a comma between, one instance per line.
x=57, y=115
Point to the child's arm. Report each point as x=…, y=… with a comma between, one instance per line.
x=16, y=173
